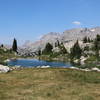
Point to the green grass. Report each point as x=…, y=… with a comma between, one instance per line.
x=91, y=62
x=49, y=84
x=54, y=57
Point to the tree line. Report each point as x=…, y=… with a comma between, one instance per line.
x=76, y=51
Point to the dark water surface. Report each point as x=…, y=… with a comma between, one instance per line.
x=35, y=63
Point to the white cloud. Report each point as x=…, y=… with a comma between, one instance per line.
x=76, y=23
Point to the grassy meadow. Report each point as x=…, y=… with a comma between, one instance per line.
x=49, y=84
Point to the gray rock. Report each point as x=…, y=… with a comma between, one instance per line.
x=4, y=69
x=43, y=66
x=95, y=69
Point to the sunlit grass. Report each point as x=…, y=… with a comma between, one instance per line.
x=49, y=84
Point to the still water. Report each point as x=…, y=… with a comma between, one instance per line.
x=36, y=63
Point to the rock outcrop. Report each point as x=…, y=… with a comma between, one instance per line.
x=4, y=69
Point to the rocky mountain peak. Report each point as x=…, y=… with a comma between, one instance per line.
x=65, y=37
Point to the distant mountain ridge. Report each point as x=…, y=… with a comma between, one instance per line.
x=65, y=37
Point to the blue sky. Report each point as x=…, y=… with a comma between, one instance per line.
x=30, y=19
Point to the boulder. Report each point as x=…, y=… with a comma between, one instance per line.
x=74, y=68
x=86, y=70
x=45, y=66
x=4, y=69
x=82, y=60
x=95, y=69
x=42, y=66
x=7, y=60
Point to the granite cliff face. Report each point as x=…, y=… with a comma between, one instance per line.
x=31, y=48
x=68, y=37
x=80, y=33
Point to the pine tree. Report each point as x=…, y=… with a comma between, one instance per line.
x=14, y=46
x=2, y=45
x=48, y=49
x=89, y=40
x=97, y=42
x=86, y=48
x=76, y=51
x=62, y=49
x=85, y=40
x=97, y=45
x=57, y=44
x=98, y=37
x=39, y=52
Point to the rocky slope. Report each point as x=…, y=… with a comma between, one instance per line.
x=80, y=33
x=68, y=37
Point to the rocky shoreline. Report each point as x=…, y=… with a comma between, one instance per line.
x=5, y=69
x=86, y=69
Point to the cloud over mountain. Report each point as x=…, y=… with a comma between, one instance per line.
x=76, y=23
